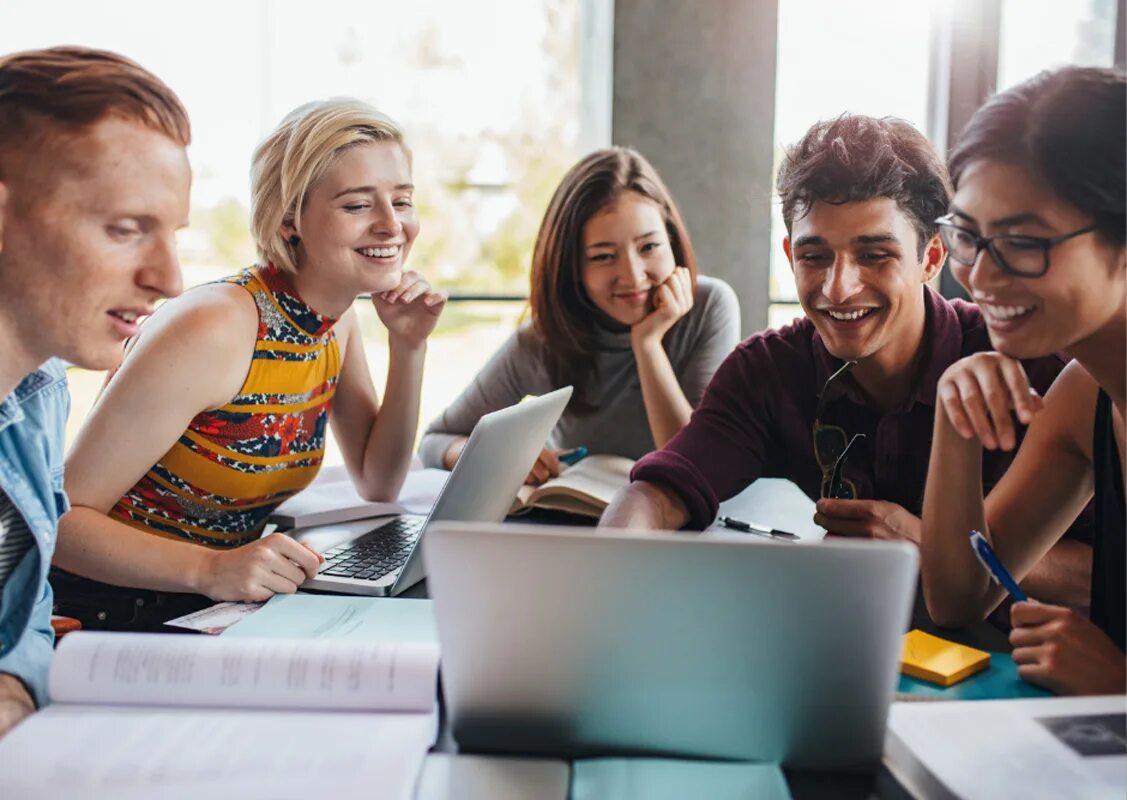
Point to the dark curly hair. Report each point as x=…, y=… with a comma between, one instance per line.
x=854, y=158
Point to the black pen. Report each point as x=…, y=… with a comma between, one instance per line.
x=748, y=527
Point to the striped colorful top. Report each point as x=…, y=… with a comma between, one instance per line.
x=233, y=466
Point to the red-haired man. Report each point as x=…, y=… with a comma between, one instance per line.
x=94, y=182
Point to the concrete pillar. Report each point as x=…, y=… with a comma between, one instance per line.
x=694, y=91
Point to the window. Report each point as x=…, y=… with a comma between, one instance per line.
x=1043, y=34
x=869, y=58
x=831, y=60
x=491, y=112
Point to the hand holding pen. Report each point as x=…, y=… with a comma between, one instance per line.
x=998, y=573
x=551, y=462
x=1055, y=647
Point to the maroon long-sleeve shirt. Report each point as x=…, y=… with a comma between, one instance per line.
x=757, y=415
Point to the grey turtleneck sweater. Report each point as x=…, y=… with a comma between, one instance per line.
x=696, y=345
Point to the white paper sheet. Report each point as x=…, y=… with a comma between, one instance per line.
x=66, y=752
x=774, y=503
x=215, y=619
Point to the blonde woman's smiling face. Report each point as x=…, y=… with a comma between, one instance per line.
x=359, y=221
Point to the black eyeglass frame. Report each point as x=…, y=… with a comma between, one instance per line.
x=832, y=481
x=1044, y=243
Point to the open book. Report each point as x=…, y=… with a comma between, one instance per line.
x=145, y=715
x=585, y=488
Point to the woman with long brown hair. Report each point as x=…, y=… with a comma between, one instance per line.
x=618, y=311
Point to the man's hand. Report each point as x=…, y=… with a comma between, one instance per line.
x=868, y=519
x=15, y=702
x=1057, y=648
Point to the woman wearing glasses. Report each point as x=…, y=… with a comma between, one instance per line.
x=1036, y=235
x=618, y=311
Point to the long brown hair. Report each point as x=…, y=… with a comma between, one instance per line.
x=562, y=314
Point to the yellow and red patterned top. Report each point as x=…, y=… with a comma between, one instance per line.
x=232, y=467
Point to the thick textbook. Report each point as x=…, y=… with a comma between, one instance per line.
x=170, y=715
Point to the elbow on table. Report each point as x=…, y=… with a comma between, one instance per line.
x=948, y=609
x=380, y=492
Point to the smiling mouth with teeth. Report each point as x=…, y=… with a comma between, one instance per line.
x=848, y=316
x=1006, y=312
x=127, y=316
x=379, y=252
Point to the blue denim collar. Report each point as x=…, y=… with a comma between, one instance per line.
x=10, y=411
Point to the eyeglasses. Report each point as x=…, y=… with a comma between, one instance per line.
x=832, y=445
x=1024, y=256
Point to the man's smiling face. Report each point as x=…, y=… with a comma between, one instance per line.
x=858, y=270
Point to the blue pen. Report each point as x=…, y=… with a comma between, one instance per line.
x=569, y=457
x=985, y=554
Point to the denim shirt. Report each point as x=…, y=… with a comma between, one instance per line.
x=32, y=421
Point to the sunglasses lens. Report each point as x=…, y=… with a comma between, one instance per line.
x=829, y=443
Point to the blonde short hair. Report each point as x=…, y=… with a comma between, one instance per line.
x=295, y=156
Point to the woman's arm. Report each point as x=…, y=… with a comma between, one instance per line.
x=191, y=356
x=516, y=369
x=714, y=325
x=1041, y=493
x=377, y=441
x=667, y=409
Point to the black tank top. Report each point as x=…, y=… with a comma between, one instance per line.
x=1109, y=556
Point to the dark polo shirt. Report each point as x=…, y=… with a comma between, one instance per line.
x=757, y=415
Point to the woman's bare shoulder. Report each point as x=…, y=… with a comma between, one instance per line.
x=1070, y=408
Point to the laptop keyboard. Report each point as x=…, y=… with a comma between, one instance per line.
x=375, y=554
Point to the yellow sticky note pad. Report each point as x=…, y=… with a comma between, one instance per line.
x=936, y=660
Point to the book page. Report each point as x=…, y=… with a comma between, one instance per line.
x=983, y=749
x=182, y=670
x=595, y=479
x=128, y=753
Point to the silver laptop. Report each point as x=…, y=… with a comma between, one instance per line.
x=501, y=450
x=580, y=642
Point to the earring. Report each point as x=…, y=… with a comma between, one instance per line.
x=294, y=240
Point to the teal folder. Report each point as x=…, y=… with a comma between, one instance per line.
x=675, y=779
x=322, y=616
x=999, y=681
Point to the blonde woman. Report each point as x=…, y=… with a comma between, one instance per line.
x=218, y=412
